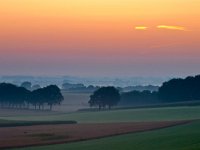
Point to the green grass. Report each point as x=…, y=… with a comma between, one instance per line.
x=144, y=114
x=183, y=137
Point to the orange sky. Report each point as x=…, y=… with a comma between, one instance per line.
x=72, y=35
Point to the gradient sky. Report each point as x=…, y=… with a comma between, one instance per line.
x=100, y=37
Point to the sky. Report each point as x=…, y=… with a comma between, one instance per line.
x=100, y=37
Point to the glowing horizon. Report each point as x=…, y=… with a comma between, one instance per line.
x=94, y=37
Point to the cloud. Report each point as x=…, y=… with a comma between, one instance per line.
x=141, y=28
x=167, y=27
x=171, y=27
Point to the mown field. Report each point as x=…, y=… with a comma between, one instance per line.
x=182, y=137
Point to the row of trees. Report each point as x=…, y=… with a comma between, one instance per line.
x=12, y=96
x=174, y=90
x=139, y=98
x=187, y=89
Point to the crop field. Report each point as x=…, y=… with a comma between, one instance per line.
x=63, y=133
x=183, y=136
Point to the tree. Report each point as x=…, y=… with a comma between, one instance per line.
x=50, y=95
x=37, y=98
x=54, y=95
x=187, y=89
x=139, y=98
x=11, y=95
x=105, y=96
x=26, y=85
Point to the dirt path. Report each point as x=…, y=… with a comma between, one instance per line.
x=12, y=137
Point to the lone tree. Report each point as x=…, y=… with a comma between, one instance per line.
x=105, y=96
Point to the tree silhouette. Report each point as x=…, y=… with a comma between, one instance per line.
x=13, y=96
x=105, y=96
x=187, y=89
x=50, y=95
x=53, y=95
x=139, y=98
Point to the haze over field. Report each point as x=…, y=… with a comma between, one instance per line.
x=96, y=81
x=100, y=38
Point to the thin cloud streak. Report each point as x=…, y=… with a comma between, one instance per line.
x=167, y=27
x=141, y=28
x=171, y=27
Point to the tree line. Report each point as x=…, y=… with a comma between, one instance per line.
x=139, y=98
x=12, y=96
x=174, y=90
x=187, y=89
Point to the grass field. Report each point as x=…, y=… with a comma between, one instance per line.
x=129, y=115
x=183, y=137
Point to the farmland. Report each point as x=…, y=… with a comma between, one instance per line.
x=127, y=115
x=182, y=136
x=64, y=133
